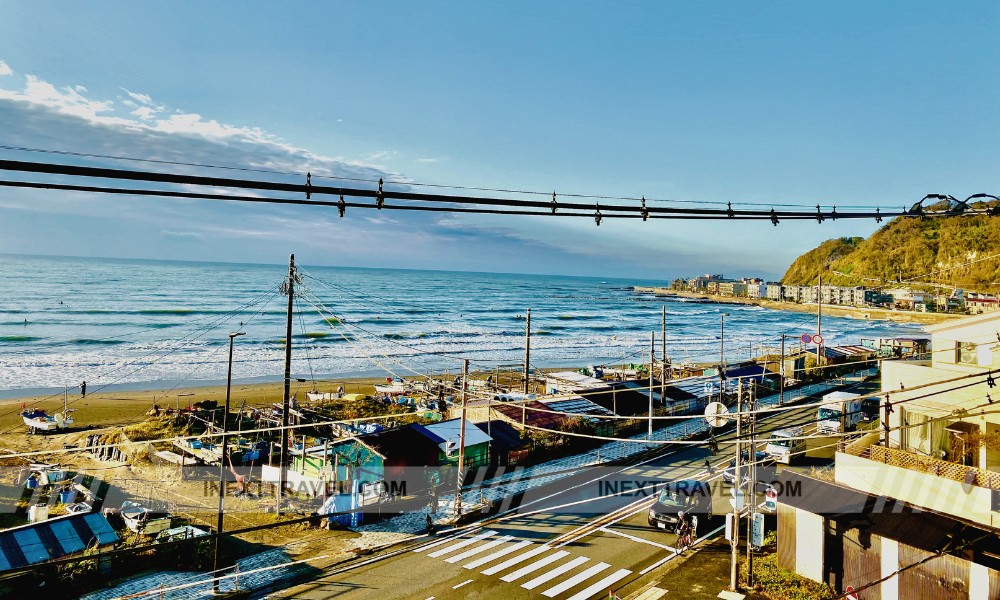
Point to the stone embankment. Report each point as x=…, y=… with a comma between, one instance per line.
x=853, y=312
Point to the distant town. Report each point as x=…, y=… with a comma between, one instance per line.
x=957, y=301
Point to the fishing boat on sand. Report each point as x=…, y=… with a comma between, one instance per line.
x=394, y=386
x=39, y=421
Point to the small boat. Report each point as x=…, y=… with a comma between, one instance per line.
x=38, y=420
x=140, y=519
x=394, y=386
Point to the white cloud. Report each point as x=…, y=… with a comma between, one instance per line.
x=143, y=98
x=182, y=235
x=428, y=160
x=5, y=69
x=144, y=112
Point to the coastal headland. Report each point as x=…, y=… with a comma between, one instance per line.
x=852, y=312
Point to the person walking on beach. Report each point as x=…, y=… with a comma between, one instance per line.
x=83, y=389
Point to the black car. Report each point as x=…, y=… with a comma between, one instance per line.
x=765, y=468
x=687, y=495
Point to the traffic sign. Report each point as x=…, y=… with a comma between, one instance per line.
x=738, y=498
x=851, y=594
x=817, y=339
x=771, y=498
x=806, y=338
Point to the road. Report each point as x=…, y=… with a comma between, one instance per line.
x=580, y=538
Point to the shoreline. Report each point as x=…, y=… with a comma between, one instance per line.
x=851, y=312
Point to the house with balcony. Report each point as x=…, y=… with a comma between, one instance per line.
x=920, y=512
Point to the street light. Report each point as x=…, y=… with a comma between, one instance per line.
x=722, y=354
x=222, y=461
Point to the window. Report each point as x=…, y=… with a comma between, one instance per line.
x=965, y=353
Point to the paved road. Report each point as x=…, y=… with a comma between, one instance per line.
x=589, y=534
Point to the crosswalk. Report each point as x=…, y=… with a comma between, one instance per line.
x=553, y=572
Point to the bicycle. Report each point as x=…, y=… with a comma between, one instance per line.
x=684, y=540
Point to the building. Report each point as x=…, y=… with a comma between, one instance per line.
x=775, y=291
x=572, y=382
x=927, y=486
x=981, y=303
x=732, y=288
x=54, y=538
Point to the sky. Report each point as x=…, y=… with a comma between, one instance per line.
x=847, y=104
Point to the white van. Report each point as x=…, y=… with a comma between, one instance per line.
x=784, y=446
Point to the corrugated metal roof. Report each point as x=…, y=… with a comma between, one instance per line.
x=39, y=542
x=578, y=405
x=450, y=431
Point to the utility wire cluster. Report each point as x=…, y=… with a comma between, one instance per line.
x=451, y=203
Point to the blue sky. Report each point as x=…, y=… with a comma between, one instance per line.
x=850, y=103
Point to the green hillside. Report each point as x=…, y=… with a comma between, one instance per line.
x=908, y=248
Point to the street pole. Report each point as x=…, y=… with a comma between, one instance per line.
x=222, y=463
x=527, y=349
x=652, y=345
x=285, y=405
x=736, y=510
x=752, y=482
x=819, y=323
x=781, y=388
x=722, y=356
x=461, y=442
x=663, y=354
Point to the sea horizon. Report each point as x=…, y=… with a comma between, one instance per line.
x=152, y=324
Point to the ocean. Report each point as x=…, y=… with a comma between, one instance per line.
x=144, y=324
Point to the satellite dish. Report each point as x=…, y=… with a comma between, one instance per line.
x=715, y=414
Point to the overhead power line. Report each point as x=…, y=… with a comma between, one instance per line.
x=424, y=201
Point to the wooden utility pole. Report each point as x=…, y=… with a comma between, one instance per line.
x=283, y=457
x=527, y=349
x=461, y=442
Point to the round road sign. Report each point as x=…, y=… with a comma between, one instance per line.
x=817, y=339
x=851, y=594
x=806, y=338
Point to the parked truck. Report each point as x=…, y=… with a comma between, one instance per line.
x=840, y=411
x=785, y=445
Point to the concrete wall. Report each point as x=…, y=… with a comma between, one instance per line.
x=809, y=531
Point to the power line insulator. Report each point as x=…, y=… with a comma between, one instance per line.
x=774, y=218
x=833, y=214
x=878, y=216
x=342, y=206
x=729, y=210
x=554, y=205
x=597, y=215
x=309, y=186
x=379, y=199
x=645, y=211
x=819, y=214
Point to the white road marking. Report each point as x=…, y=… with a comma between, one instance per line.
x=667, y=558
x=439, y=542
x=504, y=552
x=513, y=561
x=478, y=549
x=455, y=587
x=575, y=580
x=634, y=538
x=534, y=566
x=601, y=585
x=556, y=572
x=462, y=544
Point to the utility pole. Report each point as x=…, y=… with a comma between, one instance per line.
x=283, y=457
x=461, y=442
x=819, y=322
x=736, y=505
x=752, y=481
x=652, y=345
x=527, y=350
x=663, y=355
x=885, y=425
x=222, y=463
x=781, y=385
